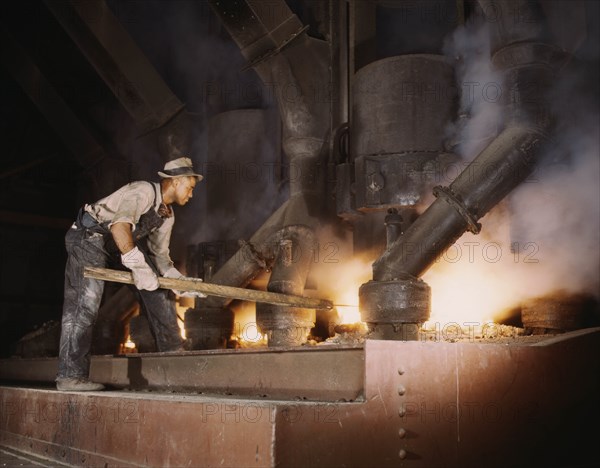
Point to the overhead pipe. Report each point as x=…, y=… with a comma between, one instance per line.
x=528, y=67
x=274, y=42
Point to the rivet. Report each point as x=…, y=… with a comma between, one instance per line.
x=401, y=371
x=401, y=390
x=402, y=433
x=402, y=412
x=402, y=454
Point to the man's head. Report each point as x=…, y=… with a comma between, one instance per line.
x=178, y=181
x=179, y=167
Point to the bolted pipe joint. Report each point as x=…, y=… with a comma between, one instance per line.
x=284, y=326
x=395, y=310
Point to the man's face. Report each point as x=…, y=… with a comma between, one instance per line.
x=184, y=186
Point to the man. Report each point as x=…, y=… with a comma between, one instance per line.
x=132, y=226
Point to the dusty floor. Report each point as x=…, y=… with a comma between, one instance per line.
x=489, y=334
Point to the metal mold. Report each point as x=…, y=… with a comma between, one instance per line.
x=393, y=310
x=554, y=314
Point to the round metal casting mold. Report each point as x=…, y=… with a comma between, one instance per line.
x=395, y=302
x=284, y=326
x=552, y=313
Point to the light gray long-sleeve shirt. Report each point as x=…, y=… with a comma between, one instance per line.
x=127, y=205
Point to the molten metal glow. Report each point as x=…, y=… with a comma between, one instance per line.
x=343, y=288
x=245, y=329
x=468, y=289
x=181, y=309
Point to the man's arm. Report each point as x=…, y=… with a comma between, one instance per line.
x=133, y=258
x=121, y=233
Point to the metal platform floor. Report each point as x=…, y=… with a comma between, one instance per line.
x=419, y=404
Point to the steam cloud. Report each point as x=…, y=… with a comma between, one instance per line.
x=480, y=112
x=545, y=237
x=204, y=69
x=554, y=216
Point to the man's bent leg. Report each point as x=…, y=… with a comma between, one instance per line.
x=162, y=318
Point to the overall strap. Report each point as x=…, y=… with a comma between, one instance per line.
x=151, y=220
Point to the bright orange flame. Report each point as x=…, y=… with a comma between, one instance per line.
x=467, y=286
x=246, y=330
x=348, y=312
x=341, y=283
x=129, y=344
x=181, y=309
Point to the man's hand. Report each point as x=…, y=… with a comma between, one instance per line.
x=143, y=276
x=174, y=273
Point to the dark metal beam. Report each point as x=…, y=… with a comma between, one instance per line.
x=84, y=147
x=327, y=373
x=118, y=60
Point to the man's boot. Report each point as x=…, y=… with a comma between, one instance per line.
x=77, y=384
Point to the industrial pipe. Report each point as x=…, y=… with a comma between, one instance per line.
x=500, y=167
x=274, y=42
x=528, y=68
x=285, y=326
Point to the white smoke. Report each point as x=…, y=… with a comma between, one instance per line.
x=203, y=67
x=558, y=208
x=480, y=87
x=545, y=237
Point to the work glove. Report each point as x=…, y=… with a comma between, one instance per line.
x=175, y=273
x=143, y=276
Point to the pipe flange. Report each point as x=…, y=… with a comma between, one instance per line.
x=406, y=300
x=269, y=316
x=455, y=202
x=253, y=253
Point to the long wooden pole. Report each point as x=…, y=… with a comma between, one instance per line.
x=195, y=284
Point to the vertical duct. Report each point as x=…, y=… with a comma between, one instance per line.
x=274, y=42
x=288, y=326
